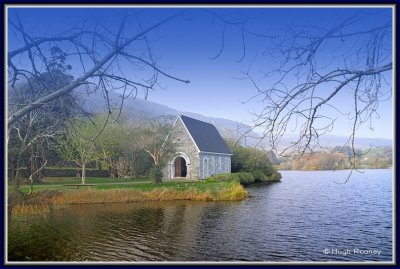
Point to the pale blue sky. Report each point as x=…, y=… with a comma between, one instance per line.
x=186, y=45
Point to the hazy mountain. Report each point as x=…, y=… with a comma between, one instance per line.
x=336, y=140
x=139, y=108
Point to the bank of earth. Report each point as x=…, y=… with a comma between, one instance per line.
x=60, y=192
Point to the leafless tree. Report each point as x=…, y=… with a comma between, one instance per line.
x=318, y=68
x=33, y=173
x=103, y=54
x=33, y=136
x=153, y=138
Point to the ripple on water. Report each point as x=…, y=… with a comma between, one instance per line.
x=290, y=221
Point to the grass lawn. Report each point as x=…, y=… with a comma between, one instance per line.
x=90, y=180
x=69, y=168
x=142, y=184
x=200, y=185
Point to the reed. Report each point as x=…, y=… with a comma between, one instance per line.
x=235, y=192
x=127, y=195
x=29, y=209
x=40, y=202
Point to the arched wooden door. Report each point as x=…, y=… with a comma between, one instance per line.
x=180, y=167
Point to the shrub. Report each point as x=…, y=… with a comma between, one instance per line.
x=245, y=178
x=210, y=180
x=254, y=161
x=242, y=178
x=259, y=176
x=275, y=177
x=156, y=174
x=225, y=177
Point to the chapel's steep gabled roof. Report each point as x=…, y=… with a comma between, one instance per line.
x=205, y=135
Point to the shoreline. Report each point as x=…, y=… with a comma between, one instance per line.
x=40, y=202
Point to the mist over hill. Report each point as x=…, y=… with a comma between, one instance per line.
x=137, y=108
x=331, y=141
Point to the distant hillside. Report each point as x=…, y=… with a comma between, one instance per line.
x=331, y=141
x=139, y=108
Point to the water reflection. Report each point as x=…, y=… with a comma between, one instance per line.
x=290, y=221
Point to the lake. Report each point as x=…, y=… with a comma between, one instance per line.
x=309, y=216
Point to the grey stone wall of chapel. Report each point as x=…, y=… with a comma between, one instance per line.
x=185, y=144
x=213, y=163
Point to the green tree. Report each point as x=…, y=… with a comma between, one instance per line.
x=153, y=140
x=254, y=161
x=109, y=144
x=119, y=148
x=78, y=145
x=138, y=161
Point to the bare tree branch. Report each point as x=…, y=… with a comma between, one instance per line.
x=118, y=49
x=305, y=86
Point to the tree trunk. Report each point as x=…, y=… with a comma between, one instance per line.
x=33, y=173
x=35, y=165
x=83, y=173
x=16, y=179
x=31, y=183
x=13, y=172
x=39, y=177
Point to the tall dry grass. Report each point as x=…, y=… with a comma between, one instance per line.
x=29, y=209
x=235, y=192
x=40, y=202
